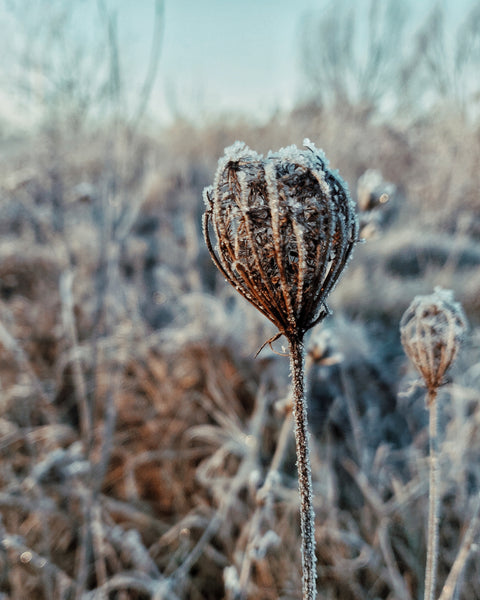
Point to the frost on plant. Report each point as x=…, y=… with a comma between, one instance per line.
x=285, y=227
x=431, y=331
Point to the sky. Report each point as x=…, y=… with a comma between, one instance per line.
x=234, y=55
x=216, y=55
x=220, y=55
x=227, y=54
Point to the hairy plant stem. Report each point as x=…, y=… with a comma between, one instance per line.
x=433, y=502
x=307, y=515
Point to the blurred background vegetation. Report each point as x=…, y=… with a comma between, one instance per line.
x=136, y=427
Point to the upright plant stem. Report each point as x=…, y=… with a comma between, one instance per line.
x=433, y=504
x=307, y=515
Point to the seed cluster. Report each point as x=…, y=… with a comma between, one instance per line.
x=431, y=330
x=285, y=227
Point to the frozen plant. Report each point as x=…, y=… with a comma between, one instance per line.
x=285, y=227
x=377, y=201
x=431, y=331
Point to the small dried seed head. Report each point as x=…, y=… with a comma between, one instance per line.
x=285, y=227
x=431, y=331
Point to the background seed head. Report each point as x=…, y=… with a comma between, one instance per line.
x=431, y=330
x=285, y=227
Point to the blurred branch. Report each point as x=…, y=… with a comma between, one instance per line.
x=66, y=295
x=350, y=60
x=13, y=347
x=115, y=85
x=396, y=579
x=152, y=69
x=65, y=72
x=134, y=581
x=249, y=463
x=463, y=554
x=25, y=555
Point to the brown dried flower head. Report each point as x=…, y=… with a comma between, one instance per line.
x=285, y=227
x=431, y=331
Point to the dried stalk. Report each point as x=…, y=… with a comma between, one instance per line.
x=285, y=228
x=307, y=515
x=431, y=330
x=433, y=500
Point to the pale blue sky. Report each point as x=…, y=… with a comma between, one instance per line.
x=231, y=54
x=217, y=55
x=235, y=55
x=220, y=54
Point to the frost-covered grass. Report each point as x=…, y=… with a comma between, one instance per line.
x=146, y=453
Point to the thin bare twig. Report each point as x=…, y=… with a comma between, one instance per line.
x=68, y=317
x=398, y=583
x=463, y=554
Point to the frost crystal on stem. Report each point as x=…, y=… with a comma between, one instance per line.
x=285, y=227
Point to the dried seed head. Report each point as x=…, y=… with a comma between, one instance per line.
x=431, y=331
x=285, y=227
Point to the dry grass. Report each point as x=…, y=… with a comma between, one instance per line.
x=144, y=452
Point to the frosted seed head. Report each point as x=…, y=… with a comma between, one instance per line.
x=431, y=331
x=285, y=227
